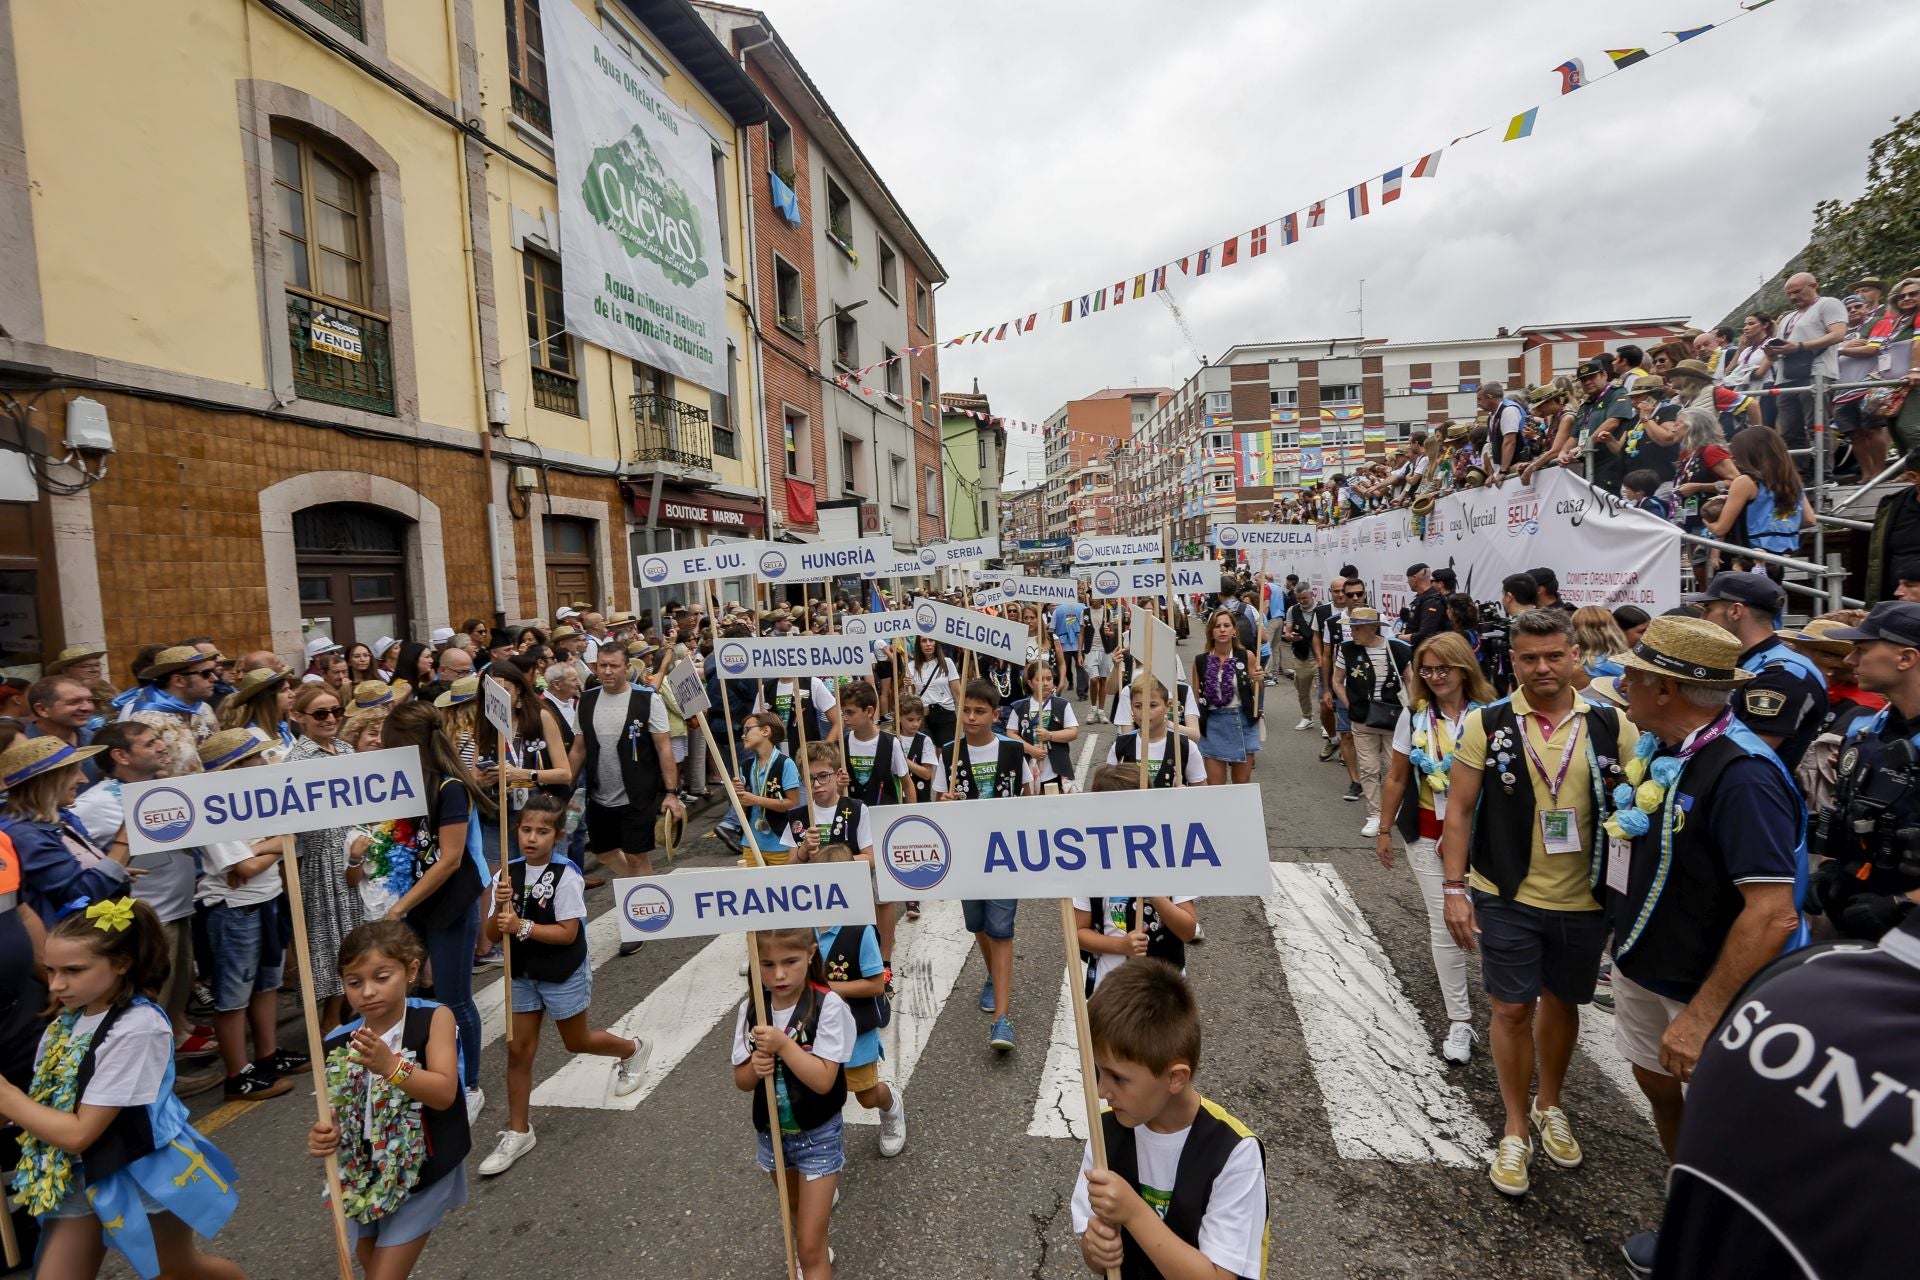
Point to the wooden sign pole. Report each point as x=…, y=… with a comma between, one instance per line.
x=1083, y=1036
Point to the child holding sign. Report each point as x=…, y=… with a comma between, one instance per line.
x=541, y=903
x=1148, y=698
x=1044, y=722
x=399, y=1118
x=107, y=1141
x=874, y=756
x=1185, y=1191
x=837, y=828
x=1110, y=929
x=773, y=782
x=805, y=1050
x=858, y=975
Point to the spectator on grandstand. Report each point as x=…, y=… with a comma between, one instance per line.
x=1807, y=347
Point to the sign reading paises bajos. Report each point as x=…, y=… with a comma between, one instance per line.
x=764, y=657
x=695, y=904
x=1207, y=841
x=272, y=800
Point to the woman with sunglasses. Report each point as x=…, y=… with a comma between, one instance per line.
x=1444, y=683
x=329, y=878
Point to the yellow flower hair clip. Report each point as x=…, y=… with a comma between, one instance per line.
x=112, y=915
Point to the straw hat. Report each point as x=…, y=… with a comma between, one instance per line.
x=254, y=681
x=564, y=633
x=1544, y=392
x=621, y=620
x=1364, y=616
x=70, y=655
x=1647, y=386
x=230, y=746
x=320, y=646
x=1455, y=432
x=465, y=689
x=1818, y=635
x=1606, y=688
x=31, y=757
x=1691, y=369
x=167, y=661
x=1689, y=649
x=369, y=694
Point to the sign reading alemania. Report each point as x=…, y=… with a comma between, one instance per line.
x=642, y=272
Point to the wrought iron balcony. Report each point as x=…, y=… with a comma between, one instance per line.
x=341, y=355
x=559, y=392
x=672, y=431
x=348, y=15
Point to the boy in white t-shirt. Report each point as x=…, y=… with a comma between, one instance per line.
x=1045, y=725
x=1160, y=1208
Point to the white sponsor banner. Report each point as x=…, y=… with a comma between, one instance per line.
x=937, y=554
x=759, y=657
x=1207, y=841
x=689, y=687
x=1127, y=581
x=271, y=800
x=1045, y=590
x=817, y=561
x=721, y=560
x=1166, y=658
x=642, y=271
x=1108, y=549
x=498, y=705
x=1604, y=552
x=693, y=904
x=970, y=629
x=898, y=567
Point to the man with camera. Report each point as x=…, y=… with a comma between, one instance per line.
x=1823, y=1048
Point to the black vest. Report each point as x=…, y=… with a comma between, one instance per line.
x=1059, y=754
x=1209, y=1144
x=881, y=787
x=801, y=696
x=446, y=1132
x=1006, y=778
x=639, y=761
x=545, y=961
x=1359, y=661
x=1162, y=942
x=810, y=1109
x=129, y=1135
x=1244, y=664
x=1126, y=750
x=1503, y=823
x=922, y=787
x=843, y=965
x=842, y=828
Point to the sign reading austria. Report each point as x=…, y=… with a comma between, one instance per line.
x=760, y=657
x=1207, y=841
x=284, y=799
x=693, y=904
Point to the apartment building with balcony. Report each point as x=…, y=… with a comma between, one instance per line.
x=1080, y=434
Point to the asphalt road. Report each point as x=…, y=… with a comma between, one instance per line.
x=669, y=1188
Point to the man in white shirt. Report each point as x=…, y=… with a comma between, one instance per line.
x=628, y=781
x=1805, y=346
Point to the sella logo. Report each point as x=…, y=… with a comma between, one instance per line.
x=928, y=556
x=1106, y=582
x=1229, y=536
x=1083, y=551
x=854, y=626
x=772, y=564
x=927, y=618
x=164, y=814
x=648, y=908
x=733, y=658
x=915, y=852
x=653, y=568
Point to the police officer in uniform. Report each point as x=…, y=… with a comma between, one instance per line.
x=1800, y=1151
x=1786, y=701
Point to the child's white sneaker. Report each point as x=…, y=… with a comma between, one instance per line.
x=476, y=1099
x=893, y=1126
x=512, y=1147
x=632, y=1069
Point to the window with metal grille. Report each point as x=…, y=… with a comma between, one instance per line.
x=527, y=64
x=554, y=385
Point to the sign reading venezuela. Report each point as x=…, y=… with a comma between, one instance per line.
x=641, y=274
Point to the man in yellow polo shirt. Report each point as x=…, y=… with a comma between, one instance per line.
x=1528, y=794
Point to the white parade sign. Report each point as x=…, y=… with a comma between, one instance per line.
x=498, y=705
x=970, y=629
x=881, y=626
x=1126, y=581
x=897, y=567
x=272, y=800
x=1108, y=549
x=693, y=904
x=761, y=657
x=988, y=596
x=817, y=561
x=689, y=687
x=1207, y=841
x=943, y=553
x=977, y=576
x=1166, y=658
x=642, y=271
x=1045, y=590
x=1273, y=548
x=721, y=560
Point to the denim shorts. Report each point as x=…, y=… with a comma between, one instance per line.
x=817, y=1153
x=1523, y=949
x=991, y=916
x=1342, y=723
x=240, y=972
x=560, y=1000
x=1229, y=736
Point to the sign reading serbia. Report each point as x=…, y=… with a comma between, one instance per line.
x=817, y=561
x=692, y=904
x=970, y=629
x=271, y=800
x=721, y=560
x=758, y=657
x=1206, y=841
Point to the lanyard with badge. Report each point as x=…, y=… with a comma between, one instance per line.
x=1559, y=832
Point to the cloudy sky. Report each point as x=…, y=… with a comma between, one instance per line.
x=1046, y=148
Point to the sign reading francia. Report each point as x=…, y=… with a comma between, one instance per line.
x=700, y=903
x=284, y=799
x=1046, y=590
x=815, y=561
x=1107, y=549
x=722, y=560
x=761, y=657
x=939, y=553
x=970, y=629
x=1124, y=581
x=1207, y=841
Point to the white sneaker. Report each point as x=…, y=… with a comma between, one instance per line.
x=1306, y=722
x=628, y=1075
x=476, y=1099
x=1459, y=1045
x=893, y=1127
x=512, y=1147
x=1372, y=828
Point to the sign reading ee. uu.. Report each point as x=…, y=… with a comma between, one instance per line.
x=271, y=800
x=721, y=560
x=763, y=657
x=695, y=904
x=1207, y=841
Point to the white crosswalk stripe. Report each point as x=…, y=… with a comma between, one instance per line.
x=928, y=957
x=1059, y=1110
